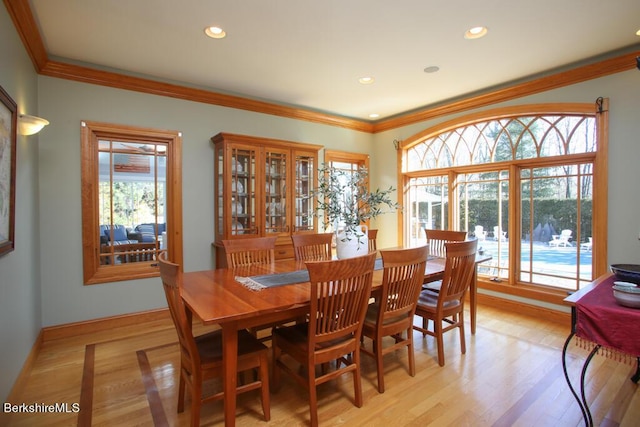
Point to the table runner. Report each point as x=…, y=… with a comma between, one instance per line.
x=263, y=281
x=601, y=320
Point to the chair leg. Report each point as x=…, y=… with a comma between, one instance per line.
x=463, y=344
x=313, y=397
x=357, y=380
x=181, y=393
x=196, y=401
x=411, y=355
x=440, y=341
x=377, y=344
x=264, y=379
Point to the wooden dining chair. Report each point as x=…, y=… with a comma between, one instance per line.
x=447, y=306
x=436, y=240
x=312, y=247
x=392, y=313
x=201, y=356
x=373, y=235
x=339, y=293
x=245, y=252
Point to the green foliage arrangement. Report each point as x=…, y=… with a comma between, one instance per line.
x=345, y=201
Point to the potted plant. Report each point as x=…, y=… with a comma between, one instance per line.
x=346, y=204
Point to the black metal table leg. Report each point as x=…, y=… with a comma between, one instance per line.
x=582, y=377
x=566, y=377
x=636, y=377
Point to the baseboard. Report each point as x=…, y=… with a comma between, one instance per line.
x=101, y=324
x=526, y=309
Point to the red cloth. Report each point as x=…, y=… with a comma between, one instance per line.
x=602, y=320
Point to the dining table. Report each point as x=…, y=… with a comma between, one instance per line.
x=219, y=297
x=601, y=325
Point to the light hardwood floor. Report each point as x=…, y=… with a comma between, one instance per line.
x=511, y=375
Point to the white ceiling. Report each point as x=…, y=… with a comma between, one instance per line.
x=310, y=54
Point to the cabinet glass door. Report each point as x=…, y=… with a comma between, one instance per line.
x=243, y=191
x=303, y=187
x=276, y=167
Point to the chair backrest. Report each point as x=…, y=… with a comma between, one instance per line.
x=459, y=271
x=170, y=275
x=566, y=234
x=436, y=240
x=244, y=252
x=340, y=291
x=312, y=247
x=373, y=235
x=403, y=274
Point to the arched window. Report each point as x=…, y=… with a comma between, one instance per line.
x=522, y=181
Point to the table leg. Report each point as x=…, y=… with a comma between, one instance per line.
x=636, y=377
x=473, y=300
x=589, y=419
x=229, y=373
x=566, y=377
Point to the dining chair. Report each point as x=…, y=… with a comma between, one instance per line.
x=201, y=356
x=373, y=235
x=312, y=247
x=391, y=315
x=436, y=240
x=339, y=293
x=447, y=306
x=245, y=252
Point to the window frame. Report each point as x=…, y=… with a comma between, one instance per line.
x=359, y=160
x=600, y=191
x=91, y=133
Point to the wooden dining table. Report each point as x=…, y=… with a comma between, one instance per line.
x=216, y=297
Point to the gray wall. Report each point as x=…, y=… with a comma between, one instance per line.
x=20, y=316
x=65, y=104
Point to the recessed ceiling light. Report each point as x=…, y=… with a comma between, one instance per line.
x=215, y=32
x=366, y=80
x=374, y=115
x=476, y=32
x=432, y=69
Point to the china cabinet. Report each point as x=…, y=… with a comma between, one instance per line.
x=262, y=188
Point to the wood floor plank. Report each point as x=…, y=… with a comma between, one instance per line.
x=86, y=392
x=510, y=375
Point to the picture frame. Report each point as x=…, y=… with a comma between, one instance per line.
x=8, y=129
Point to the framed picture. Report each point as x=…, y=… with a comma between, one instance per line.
x=8, y=125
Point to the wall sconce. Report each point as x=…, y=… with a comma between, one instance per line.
x=396, y=144
x=29, y=125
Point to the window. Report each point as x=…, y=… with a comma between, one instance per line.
x=521, y=180
x=131, y=200
x=346, y=162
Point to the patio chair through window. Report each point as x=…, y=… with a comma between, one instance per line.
x=563, y=239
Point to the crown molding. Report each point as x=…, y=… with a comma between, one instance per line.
x=565, y=78
x=23, y=19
